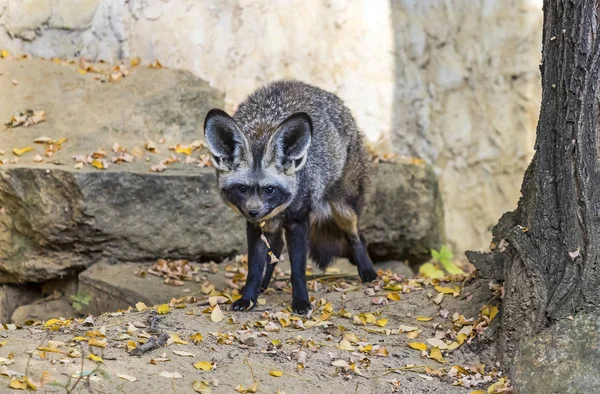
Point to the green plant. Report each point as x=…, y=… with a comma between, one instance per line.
x=80, y=300
x=441, y=257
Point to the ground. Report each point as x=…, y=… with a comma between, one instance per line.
x=355, y=341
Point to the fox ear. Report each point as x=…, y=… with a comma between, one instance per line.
x=289, y=144
x=226, y=142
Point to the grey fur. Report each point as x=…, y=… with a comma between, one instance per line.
x=333, y=172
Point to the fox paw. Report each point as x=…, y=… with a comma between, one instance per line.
x=242, y=305
x=367, y=275
x=301, y=307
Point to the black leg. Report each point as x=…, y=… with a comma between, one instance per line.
x=361, y=258
x=296, y=234
x=257, y=250
x=276, y=241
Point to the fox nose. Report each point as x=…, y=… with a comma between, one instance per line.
x=253, y=213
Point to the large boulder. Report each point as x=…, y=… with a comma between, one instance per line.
x=564, y=358
x=56, y=219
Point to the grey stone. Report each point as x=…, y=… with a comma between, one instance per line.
x=43, y=310
x=116, y=286
x=564, y=358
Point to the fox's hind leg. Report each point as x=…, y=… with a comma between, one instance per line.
x=347, y=219
x=276, y=248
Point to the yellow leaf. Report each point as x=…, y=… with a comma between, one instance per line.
x=328, y=308
x=136, y=62
x=22, y=151
x=98, y=164
x=176, y=339
x=253, y=388
x=81, y=71
x=453, y=345
x=97, y=342
x=261, y=301
x=196, y=338
x=413, y=334
x=445, y=290
x=163, y=309
x=216, y=315
x=4, y=53
x=423, y=318
x=381, y=322
x=370, y=318
x=18, y=384
x=393, y=296
x=436, y=355
x=417, y=345
x=140, y=306
x=203, y=365
x=477, y=392
x=183, y=149
x=393, y=287
x=431, y=271
x=95, y=358
x=50, y=349
x=493, y=312
x=461, y=338
x=61, y=141
x=131, y=345
x=275, y=373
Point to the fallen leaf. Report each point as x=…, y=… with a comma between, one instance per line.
x=423, y=318
x=4, y=54
x=95, y=358
x=203, y=365
x=135, y=61
x=38, y=159
x=22, y=151
x=436, y=355
x=201, y=387
x=170, y=375
x=127, y=377
x=340, y=363
x=417, y=345
x=405, y=328
x=196, y=338
x=163, y=309
x=393, y=296
x=216, y=314
x=140, y=306
x=445, y=290
x=98, y=164
x=275, y=373
x=183, y=354
x=381, y=322
x=345, y=345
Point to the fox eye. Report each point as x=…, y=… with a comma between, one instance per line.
x=269, y=189
x=242, y=188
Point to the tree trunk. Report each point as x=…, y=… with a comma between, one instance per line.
x=548, y=250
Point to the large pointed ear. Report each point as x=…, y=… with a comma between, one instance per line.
x=290, y=142
x=227, y=144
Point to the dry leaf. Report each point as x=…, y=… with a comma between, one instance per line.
x=196, y=338
x=201, y=387
x=423, y=318
x=170, y=375
x=203, y=365
x=140, y=306
x=417, y=345
x=127, y=377
x=163, y=309
x=275, y=373
x=216, y=314
x=38, y=159
x=436, y=355
x=22, y=151
x=135, y=61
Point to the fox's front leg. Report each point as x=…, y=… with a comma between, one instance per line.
x=297, y=235
x=257, y=258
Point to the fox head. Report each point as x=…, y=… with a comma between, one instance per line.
x=257, y=170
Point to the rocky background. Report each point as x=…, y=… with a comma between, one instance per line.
x=454, y=82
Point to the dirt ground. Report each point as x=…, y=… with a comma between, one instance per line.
x=356, y=340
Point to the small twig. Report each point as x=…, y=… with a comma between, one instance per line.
x=250, y=366
x=31, y=355
x=153, y=343
x=81, y=370
x=173, y=385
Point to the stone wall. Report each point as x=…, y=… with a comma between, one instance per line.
x=455, y=82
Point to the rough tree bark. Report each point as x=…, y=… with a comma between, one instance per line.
x=547, y=251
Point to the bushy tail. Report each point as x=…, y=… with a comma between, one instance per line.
x=327, y=241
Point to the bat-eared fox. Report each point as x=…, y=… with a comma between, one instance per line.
x=291, y=159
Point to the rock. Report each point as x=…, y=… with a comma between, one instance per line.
x=564, y=358
x=116, y=286
x=43, y=310
x=73, y=14
x=56, y=220
x=404, y=218
x=12, y=297
x=24, y=17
